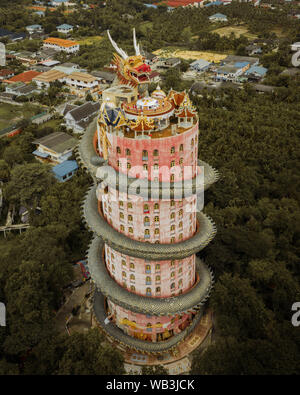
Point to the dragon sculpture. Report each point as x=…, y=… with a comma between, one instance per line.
x=131, y=70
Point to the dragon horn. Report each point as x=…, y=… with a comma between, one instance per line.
x=119, y=50
x=136, y=46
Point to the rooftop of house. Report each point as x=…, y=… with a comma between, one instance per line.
x=60, y=42
x=218, y=15
x=64, y=26
x=68, y=107
x=83, y=77
x=291, y=71
x=84, y=111
x=200, y=62
x=65, y=168
x=106, y=75
x=33, y=27
x=26, y=76
x=49, y=76
x=5, y=72
x=257, y=70
x=58, y=142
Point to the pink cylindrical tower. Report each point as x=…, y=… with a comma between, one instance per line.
x=150, y=286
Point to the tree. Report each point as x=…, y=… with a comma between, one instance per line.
x=154, y=370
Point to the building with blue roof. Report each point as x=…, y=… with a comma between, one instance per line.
x=40, y=13
x=65, y=170
x=150, y=5
x=64, y=28
x=34, y=29
x=218, y=17
x=213, y=3
x=256, y=73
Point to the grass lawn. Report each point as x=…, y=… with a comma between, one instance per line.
x=236, y=30
x=193, y=55
x=89, y=40
x=52, y=123
x=10, y=114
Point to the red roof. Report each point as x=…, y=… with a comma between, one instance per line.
x=180, y=3
x=5, y=72
x=26, y=77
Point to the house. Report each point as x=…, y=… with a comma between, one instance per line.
x=64, y=28
x=54, y=148
x=65, y=170
x=44, y=79
x=34, y=29
x=78, y=81
x=150, y=57
x=295, y=46
x=104, y=77
x=57, y=3
x=169, y=63
x=60, y=44
x=263, y=88
x=69, y=65
x=26, y=77
x=154, y=76
x=218, y=17
x=21, y=89
x=11, y=35
x=6, y=74
x=40, y=13
x=253, y=49
x=78, y=118
x=231, y=71
x=256, y=73
x=232, y=59
x=200, y=65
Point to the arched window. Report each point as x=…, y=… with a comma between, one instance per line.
x=121, y=203
x=128, y=165
x=172, y=178
x=156, y=206
x=172, y=228
x=172, y=286
x=123, y=262
x=156, y=218
x=181, y=147
x=123, y=274
x=172, y=203
x=146, y=208
x=148, y=291
x=127, y=151
x=118, y=163
x=155, y=152
x=156, y=231
x=172, y=274
x=118, y=150
x=145, y=154
x=145, y=166
x=122, y=228
x=172, y=163
x=148, y=280
x=130, y=229
x=157, y=266
x=146, y=221
x=157, y=279
x=121, y=216
x=172, y=150
x=132, y=265
x=192, y=142
x=129, y=217
x=132, y=287
x=180, y=236
x=172, y=264
x=129, y=205
x=132, y=277
x=172, y=239
x=180, y=224
x=181, y=161
x=157, y=289
x=148, y=268
x=180, y=212
x=172, y=216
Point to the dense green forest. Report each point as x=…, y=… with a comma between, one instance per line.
x=251, y=139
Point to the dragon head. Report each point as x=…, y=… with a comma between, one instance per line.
x=131, y=70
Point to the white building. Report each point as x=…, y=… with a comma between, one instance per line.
x=34, y=29
x=79, y=80
x=218, y=18
x=64, y=28
x=60, y=44
x=295, y=46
